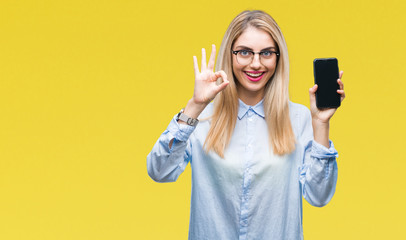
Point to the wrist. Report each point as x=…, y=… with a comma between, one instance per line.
x=320, y=123
x=194, y=109
x=185, y=119
x=321, y=131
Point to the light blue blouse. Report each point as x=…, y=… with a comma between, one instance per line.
x=250, y=193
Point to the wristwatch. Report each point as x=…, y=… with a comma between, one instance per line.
x=185, y=118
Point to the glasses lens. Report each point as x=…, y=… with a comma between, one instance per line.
x=266, y=60
x=244, y=57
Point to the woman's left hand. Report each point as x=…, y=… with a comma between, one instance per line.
x=324, y=115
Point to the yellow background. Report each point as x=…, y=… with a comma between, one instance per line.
x=86, y=88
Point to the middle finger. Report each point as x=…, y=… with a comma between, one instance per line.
x=210, y=66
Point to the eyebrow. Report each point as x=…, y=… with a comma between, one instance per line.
x=248, y=48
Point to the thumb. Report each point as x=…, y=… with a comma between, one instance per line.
x=223, y=84
x=312, y=93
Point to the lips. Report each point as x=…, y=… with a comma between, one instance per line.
x=254, y=76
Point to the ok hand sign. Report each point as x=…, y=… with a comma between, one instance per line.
x=206, y=87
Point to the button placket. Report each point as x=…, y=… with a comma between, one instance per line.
x=247, y=177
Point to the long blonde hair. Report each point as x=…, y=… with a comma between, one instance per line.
x=276, y=100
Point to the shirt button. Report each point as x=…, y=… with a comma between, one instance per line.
x=250, y=119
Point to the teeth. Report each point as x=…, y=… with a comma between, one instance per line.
x=253, y=74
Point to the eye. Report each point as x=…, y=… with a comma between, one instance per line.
x=245, y=53
x=266, y=53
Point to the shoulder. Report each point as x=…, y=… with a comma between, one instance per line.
x=298, y=110
x=300, y=118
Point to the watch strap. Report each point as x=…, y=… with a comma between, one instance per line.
x=185, y=118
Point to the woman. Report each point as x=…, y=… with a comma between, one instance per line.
x=253, y=154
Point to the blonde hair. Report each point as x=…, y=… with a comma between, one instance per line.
x=276, y=99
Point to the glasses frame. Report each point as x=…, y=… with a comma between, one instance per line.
x=252, y=58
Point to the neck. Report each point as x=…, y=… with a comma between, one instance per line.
x=250, y=98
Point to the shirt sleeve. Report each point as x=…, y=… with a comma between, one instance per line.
x=165, y=164
x=318, y=174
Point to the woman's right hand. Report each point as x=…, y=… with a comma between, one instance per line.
x=206, y=87
x=205, y=80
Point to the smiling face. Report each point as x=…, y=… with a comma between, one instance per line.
x=252, y=77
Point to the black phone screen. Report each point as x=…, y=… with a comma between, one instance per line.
x=325, y=76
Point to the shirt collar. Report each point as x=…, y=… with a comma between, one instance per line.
x=244, y=108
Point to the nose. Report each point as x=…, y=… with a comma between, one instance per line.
x=256, y=61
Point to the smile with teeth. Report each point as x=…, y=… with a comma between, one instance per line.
x=255, y=75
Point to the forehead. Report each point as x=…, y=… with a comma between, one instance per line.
x=255, y=38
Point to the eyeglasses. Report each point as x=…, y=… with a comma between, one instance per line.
x=245, y=57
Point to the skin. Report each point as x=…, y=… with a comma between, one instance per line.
x=248, y=91
x=252, y=92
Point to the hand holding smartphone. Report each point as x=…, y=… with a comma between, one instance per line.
x=325, y=76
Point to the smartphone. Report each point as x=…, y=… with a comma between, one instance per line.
x=325, y=76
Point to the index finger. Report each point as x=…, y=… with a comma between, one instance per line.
x=341, y=74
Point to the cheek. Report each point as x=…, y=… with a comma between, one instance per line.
x=236, y=66
x=237, y=71
x=272, y=69
x=270, y=73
